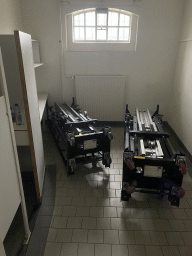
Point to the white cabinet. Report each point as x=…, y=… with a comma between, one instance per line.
x=36, y=53
x=11, y=189
x=20, y=55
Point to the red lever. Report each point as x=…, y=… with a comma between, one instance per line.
x=181, y=193
x=183, y=168
x=130, y=165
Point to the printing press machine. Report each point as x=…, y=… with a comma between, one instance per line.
x=149, y=164
x=76, y=137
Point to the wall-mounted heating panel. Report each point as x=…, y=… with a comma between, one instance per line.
x=101, y=96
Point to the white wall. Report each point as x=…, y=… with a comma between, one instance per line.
x=149, y=71
x=41, y=20
x=10, y=16
x=181, y=101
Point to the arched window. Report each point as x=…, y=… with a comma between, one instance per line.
x=101, y=29
x=101, y=25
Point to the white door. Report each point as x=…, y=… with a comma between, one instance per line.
x=2, y=250
x=9, y=187
x=11, y=190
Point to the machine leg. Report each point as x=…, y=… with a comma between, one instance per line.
x=125, y=196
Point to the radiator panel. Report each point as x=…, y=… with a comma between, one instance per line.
x=101, y=96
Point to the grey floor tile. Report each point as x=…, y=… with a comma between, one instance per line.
x=59, y=222
x=118, y=223
x=89, y=223
x=118, y=177
x=188, y=225
x=61, y=191
x=83, y=211
x=115, y=184
x=142, y=204
x=95, y=236
x=81, y=185
x=189, y=213
x=186, y=186
x=102, y=201
x=77, y=201
x=69, y=211
x=151, y=213
x=90, y=201
x=80, y=235
x=153, y=250
x=110, y=212
x=58, y=210
x=103, y=223
x=111, y=237
x=114, y=171
x=52, y=235
x=189, y=202
x=136, y=250
x=69, y=249
x=68, y=184
x=170, y=251
x=137, y=213
x=142, y=237
x=180, y=214
x=74, y=222
x=86, y=249
x=133, y=224
x=158, y=238
x=156, y=203
x=165, y=213
x=64, y=235
x=174, y=238
x=187, y=237
x=162, y=225
x=52, y=249
x=120, y=250
x=123, y=212
x=126, y=237
x=185, y=250
x=99, y=192
x=64, y=200
x=177, y=225
x=86, y=192
x=109, y=193
x=118, y=195
x=96, y=211
x=73, y=192
x=57, y=200
x=188, y=194
x=147, y=224
x=184, y=204
x=60, y=184
x=102, y=250
x=115, y=202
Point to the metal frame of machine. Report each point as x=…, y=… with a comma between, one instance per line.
x=76, y=137
x=149, y=164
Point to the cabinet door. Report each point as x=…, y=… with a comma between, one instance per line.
x=9, y=187
x=28, y=84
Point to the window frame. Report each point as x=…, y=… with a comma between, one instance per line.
x=70, y=46
x=106, y=11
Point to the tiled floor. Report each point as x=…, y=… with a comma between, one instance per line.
x=90, y=220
